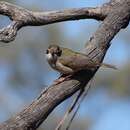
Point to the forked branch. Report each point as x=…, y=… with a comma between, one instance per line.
x=22, y=17
x=115, y=18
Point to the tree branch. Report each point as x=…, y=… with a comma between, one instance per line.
x=22, y=17
x=32, y=116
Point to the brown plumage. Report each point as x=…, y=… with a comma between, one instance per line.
x=67, y=61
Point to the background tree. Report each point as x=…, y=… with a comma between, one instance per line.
x=116, y=14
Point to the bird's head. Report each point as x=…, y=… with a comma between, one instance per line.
x=53, y=52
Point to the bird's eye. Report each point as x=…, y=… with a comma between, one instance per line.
x=59, y=53
x=58, y=48
x=47, y=51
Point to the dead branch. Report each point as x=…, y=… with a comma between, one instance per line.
x=22, y=17
x=117, y=18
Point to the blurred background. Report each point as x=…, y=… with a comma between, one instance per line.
x=24, y=71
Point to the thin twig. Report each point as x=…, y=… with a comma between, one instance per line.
x=78, y=107
x=69, y=110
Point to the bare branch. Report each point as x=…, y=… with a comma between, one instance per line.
x=32, y=116
x=9, y=33
x=22, y=17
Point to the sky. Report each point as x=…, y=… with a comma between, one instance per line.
x=116, y=114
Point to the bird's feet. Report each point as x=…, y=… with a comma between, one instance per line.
x=61, y=79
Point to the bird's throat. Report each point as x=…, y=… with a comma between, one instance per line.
x=51, y=60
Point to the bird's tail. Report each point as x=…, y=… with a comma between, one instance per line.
x=108, y=66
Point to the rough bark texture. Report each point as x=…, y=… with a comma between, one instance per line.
x=115, y=16
x=22, y=17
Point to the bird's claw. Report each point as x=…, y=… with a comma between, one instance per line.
x=62, y=79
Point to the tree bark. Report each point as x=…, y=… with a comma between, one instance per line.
x=115, y=16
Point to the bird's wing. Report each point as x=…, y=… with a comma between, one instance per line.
x=78, y=61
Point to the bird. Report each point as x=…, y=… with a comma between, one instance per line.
x=67, y=62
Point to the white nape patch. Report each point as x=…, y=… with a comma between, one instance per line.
x=49, y=56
